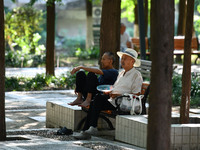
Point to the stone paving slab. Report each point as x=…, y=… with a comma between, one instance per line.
x=32, y=72
x=26, y=110
x=39, y=143
x=37, y=98
x=32, y=142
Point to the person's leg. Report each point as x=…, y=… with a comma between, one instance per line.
x=100, y=103
x=90, y=89
x=87, y=101
x=88, y=118
x=80, y=87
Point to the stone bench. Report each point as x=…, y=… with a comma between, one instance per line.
x=60, y=115
x=133, y=130
x=64, y=115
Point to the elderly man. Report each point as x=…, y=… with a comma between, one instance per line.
x=125, y=41
x=128, y=81
x=86, y=84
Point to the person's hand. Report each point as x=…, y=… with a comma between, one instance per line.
x=75, y=69
x=114, y=95
x=107, y=92
x=128, y=44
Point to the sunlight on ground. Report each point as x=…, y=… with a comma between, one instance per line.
x=29, y=125
x=74, y=61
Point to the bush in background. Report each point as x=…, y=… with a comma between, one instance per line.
x=40, y=82
x=22, y=25
x=68, y=45
x=177, y=89
x=87, y=53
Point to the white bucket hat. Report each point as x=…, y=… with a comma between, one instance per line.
x=132, y=53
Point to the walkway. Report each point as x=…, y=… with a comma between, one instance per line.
x=25, y=112
x=31, y=72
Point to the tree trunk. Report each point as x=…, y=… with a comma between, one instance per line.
x=2, y=75
x=186, y=75
x=181, y=23
x=110, y=28
x=50, y=37
x=89, y=38
x=136, y=23
x=146, y=17
x=162, y=44
x=181, y=18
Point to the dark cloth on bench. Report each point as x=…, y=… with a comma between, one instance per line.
x=96, y=106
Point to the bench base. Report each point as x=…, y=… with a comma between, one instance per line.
x=60, y=115
x=133, y=130
x=64, y=115
x=129, y=129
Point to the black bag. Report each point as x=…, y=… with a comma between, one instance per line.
x=64, y=131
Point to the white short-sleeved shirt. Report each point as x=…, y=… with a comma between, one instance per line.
x=131, y=82
x=124, y=38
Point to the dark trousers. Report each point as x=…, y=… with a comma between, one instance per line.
x=86, y=83
x=99, y=103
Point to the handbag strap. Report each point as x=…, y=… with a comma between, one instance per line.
x=133, y=103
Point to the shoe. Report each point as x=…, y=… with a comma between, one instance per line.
x=92, y=131
x=82, y=136
x=64, y=131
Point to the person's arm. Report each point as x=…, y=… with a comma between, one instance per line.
x=94, y=70
x=128, y=44
x=113, y=95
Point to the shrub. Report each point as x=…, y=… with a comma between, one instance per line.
x=195, y=89
x=40, y=82
x=87, y=53
x=18, y=59
x=69, y=45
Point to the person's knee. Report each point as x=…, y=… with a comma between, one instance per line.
x=98, y=98
x=91, y=75
x=80, y=74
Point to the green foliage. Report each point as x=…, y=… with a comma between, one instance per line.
x=87, y=53
x=40, y=82
x=197, y=19
x=177, y=89
x=69, y=45
x=127, y=7
x=21, y=26
x=12, y=83
x=19, y=59
x=195, y=89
